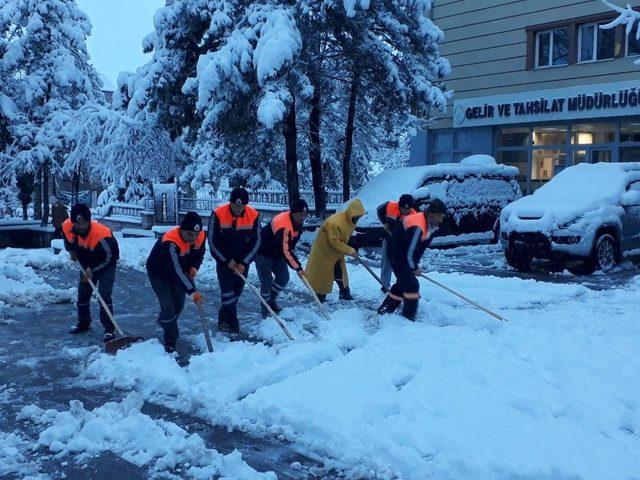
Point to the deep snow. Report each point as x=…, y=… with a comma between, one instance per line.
x=552, y=394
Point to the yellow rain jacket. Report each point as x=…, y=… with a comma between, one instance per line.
x=331, y=246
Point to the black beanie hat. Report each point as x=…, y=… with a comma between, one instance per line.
x=406, y=201
x=191, y=222
x=80, y=212
x=299, y=205
x=437, y=206
x=240, y=196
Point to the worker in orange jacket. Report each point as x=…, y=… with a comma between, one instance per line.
x=94, y=247
x=172, y=267
x=276, y=254
x=234, y=240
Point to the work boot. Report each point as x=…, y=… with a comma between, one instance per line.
x=108, y=336
x=410, y=309
x=169, y=348
x=79, y=328
x=322, y=297
x=389, y=305
x=345, y=294
x=274, y=306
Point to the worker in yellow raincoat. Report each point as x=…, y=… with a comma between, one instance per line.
x=326, y=260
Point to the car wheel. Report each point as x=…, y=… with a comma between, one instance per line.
x=521, y=263
x=509, y=258
x=605, y=252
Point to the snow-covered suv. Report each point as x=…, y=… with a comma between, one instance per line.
x=474, y=190
x=586, y=218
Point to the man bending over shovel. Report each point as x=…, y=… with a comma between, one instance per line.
x=408, y=242
x=92, y=245
x=172, y=267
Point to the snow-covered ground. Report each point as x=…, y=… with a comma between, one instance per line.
x=551, y=394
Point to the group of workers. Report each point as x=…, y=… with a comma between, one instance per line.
x=236, y=239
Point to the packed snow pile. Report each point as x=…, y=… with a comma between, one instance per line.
x=584, y=195
x=121, y=428
x=454, y=395
x=21, y=283
x=13, y=459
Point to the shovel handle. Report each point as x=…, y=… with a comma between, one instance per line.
x=262, y=300
x=205, y=327
x=104, y=304
x=315, y=297
x=466, y=299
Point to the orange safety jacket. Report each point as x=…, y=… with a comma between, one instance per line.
x=95, y=250
x=172, y=258
x=234, y=238
x=279, y=239
x=411, y=239
x=389, y=213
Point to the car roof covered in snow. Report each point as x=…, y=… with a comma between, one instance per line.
x=577, y=190
x=390, y=184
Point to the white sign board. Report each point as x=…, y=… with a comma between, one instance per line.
x=589, y=101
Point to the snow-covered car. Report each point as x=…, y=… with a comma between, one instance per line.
x=474, y=190
x=586, y=218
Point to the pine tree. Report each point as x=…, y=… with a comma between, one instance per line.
x=43, y=55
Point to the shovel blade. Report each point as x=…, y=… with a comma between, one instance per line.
x=116, y=344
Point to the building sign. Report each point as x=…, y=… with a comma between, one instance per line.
x=590, y=101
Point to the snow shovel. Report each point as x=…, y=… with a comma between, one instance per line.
x=373, y=274
x=262, y=300
x=205, y=327
x=117, y=343
x=468, y=300
x=315, y=297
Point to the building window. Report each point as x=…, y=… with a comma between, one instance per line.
x=630, y=131
x=514, y=137
x=589, y=133
x=630, y=154
x=544, y=165
x=552, y=47
x=550, y=136
x=451, y=146
x=633, y=43
x=594, y=43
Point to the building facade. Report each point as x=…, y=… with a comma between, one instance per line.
x=537, y=84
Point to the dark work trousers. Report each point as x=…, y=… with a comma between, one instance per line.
x=103, y=279
x=337, y=275
x=231, y=286
x=171, y=298
x=274, y=276
x=406, y=289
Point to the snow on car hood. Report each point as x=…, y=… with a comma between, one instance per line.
x=584, y=193
x=390, y=184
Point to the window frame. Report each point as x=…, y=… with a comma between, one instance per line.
x=551, y=33
x=626, y=43
x=596, y=29
x=572, y=24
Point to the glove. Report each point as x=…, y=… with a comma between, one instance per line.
x=301, y=273
x=197, y=298
x=417, y=272
x=240, y=268
x=193, y=272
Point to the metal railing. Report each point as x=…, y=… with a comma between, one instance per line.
x=263, y=198
x=125, y=209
